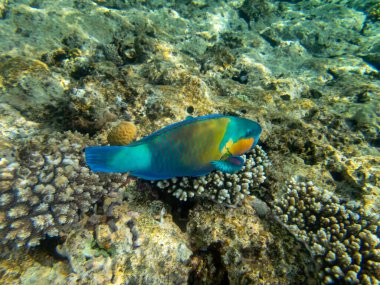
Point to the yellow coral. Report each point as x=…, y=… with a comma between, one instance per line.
x=122, y=134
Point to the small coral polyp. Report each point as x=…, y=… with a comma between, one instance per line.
x=45, y=187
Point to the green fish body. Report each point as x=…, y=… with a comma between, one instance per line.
x=193, y=147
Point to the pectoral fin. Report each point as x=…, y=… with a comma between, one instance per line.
x=229, y=165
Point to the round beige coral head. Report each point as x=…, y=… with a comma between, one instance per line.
x=122, y=134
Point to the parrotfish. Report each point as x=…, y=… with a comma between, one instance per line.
x=193, y=147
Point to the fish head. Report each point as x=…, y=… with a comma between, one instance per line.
x=242, y=136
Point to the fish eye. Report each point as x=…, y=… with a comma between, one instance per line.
x=248, y=133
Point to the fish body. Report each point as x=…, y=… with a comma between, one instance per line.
x=193, y=147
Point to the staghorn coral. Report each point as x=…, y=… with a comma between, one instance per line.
x=122, y=134
x=221, y=187
x=342, y=236
x=45, y=186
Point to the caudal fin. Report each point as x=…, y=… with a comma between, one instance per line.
x=107, y=158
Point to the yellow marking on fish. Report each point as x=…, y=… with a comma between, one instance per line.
x=211, y=133
x=238, y=148
x=226, y=148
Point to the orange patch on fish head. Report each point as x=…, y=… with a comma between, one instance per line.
x=241, y=146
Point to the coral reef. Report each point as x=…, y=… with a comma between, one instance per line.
x=86, y=110
x=137, y=240
x=342, y=236
x=122, y=134
x=130, y=240
x=32, y=267
x=244, y=246
x=224, y=188
x=306, y=70
x=45, y=187
x=30, y=86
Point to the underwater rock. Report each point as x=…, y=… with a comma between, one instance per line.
x=343, y=237
x=223, y=188
x=327, y=29
x=372, y=55
x=28, y=268
x=359, y=175
x=43, y=275
x=15, y=127
x=86, y=111
x=111, y=53
x=218, y=58
x=255, y=10
x=288, y=89
x=30, y=86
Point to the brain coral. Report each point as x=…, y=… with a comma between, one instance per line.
x=45, y=186
x=221, y=187
x=122, y=134
x=342, y=236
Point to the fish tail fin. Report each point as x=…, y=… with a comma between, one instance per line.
x=106, y=158
x=118, y=158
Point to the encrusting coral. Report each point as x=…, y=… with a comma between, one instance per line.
x=45, y=186
x=223, y=188
x=122, y=134
x=342, y=236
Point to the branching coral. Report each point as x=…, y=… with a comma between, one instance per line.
x=342, y=236
x=222, y=187
x=45, y=187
